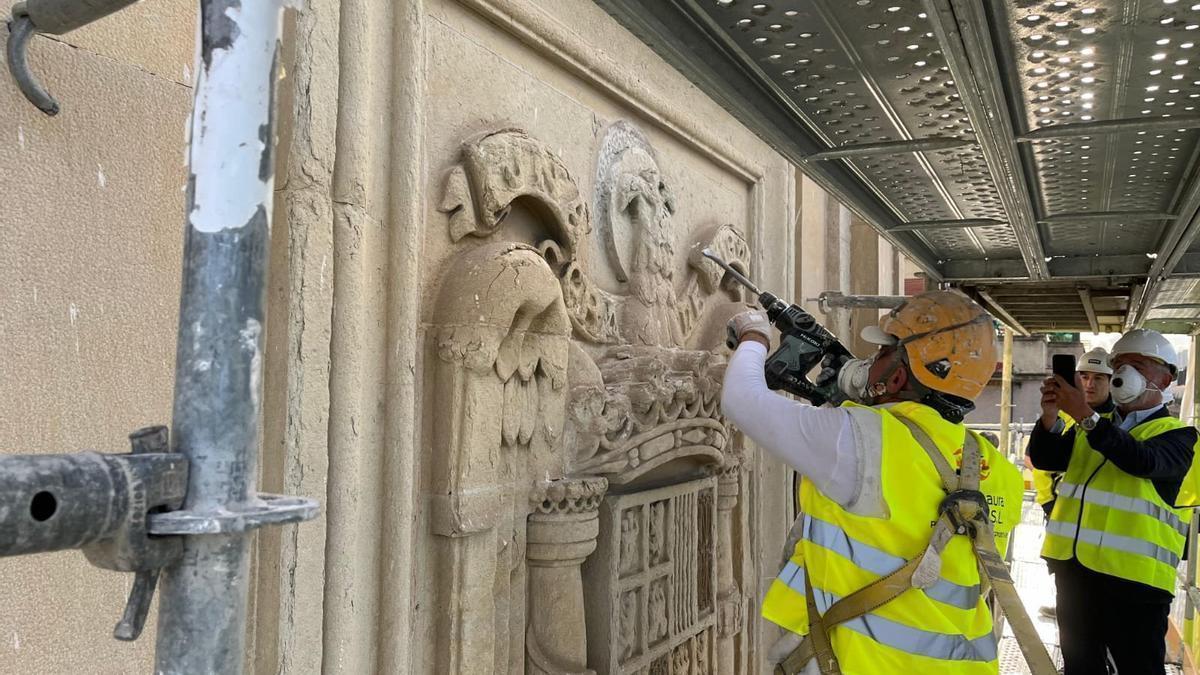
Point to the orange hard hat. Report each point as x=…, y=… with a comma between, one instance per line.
x=949, y=340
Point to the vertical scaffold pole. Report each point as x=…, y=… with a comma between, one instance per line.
x=217, y=410
x=1006, y=393
x=1188, y=413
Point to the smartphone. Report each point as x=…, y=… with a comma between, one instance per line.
x=1063, y=365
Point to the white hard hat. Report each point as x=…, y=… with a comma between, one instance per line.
x=1095, y=361
x=1147, y=343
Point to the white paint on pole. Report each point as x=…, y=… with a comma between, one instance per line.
x=233, y=106
x=250, y=341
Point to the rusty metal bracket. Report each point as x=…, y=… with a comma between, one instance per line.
x=98, y=503
x=54, y=17
x=269, y=509
x=121, y=511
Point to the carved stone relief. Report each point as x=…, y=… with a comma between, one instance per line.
x=551, y=389
x=501, y=167
x=631, y=552
x=500, y=380
x=656, y=406
x=674, y=593
x=634, y=207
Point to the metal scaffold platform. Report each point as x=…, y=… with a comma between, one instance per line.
x=1041, y=155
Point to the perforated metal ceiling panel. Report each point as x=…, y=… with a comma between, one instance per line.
x=1042, y=147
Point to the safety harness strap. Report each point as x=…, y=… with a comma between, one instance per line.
x=962, y=512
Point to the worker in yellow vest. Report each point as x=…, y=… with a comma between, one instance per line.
x=1115, y=537
x=1095, y=375
x=1095, y=378
x=873, y=477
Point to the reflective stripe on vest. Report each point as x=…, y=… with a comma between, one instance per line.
x=1115, y=523
x=1123, y=503
x=1112, y=541
x=881, y=563
x=946, y=647
x=943, y=630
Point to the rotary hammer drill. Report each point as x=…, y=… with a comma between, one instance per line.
x=804, y=344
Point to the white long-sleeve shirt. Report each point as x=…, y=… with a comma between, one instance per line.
x=838, y=449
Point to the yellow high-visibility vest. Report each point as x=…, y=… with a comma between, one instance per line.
x=1115, y=523
x=1043, y=485
x=946, y=628
x=1044, y=481
x=1189, y=490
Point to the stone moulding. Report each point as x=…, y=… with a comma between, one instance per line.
x=581, y=495
x=699, y=439
x=543, y=33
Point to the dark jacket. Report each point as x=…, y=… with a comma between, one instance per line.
x=1164, y=459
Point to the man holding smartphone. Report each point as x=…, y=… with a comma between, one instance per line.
x=1114, y=537
x=1095, y=377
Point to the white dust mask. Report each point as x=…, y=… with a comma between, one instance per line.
x=1127, y=384
x=854, y=380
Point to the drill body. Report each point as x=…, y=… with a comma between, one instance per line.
x=803, y=346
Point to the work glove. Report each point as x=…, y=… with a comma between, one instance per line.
x=751, y=321
x=831, y=365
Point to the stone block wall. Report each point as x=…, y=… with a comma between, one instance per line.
x=91, y=208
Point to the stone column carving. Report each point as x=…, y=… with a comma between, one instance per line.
x=561, y=534
x=729, y=596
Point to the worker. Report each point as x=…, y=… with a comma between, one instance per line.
x=1095, y=375
x=1115, y=537
x=870, y=490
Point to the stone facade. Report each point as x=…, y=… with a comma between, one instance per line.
x=494, y=352
x=523, y=339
